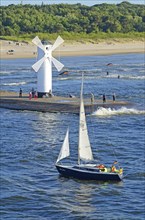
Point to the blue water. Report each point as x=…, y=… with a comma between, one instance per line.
x=31, y=188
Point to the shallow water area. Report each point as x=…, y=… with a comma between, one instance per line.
x=31, y=187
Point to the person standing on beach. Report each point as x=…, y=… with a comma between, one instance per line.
x=20, y=93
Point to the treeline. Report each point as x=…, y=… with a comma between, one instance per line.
x=122, y=18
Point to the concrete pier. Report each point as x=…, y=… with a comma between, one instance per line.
x=55, y=104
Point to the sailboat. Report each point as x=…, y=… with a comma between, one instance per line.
x=85, y=169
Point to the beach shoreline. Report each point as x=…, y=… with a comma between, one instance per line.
x=13, y=50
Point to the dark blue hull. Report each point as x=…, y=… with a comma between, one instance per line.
x=87, y=173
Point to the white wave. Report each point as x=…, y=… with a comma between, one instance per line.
x=110, y=76
x=63, y=78
x=135, y=77
x=2, y=72
x=139, y=77
x=142, y=71
x=125, y=77
x=14, y=84
x=122, y=111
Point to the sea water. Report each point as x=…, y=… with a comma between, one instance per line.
x=31, y=187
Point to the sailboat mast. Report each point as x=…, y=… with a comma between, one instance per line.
x=81, y=99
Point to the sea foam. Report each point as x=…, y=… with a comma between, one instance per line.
x=14, y=84
x=121, y=111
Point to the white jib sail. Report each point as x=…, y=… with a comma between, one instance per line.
x=64, y=152
x=84, y=148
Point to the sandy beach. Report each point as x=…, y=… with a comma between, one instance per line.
x=10, y=49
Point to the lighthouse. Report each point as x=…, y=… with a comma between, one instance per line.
x=43, y=66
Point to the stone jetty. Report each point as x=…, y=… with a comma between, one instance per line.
x=55, y=104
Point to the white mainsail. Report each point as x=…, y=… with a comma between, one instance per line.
x=84, y=147
x=64, y=152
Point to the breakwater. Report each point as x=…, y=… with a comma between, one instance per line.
x=58, y=104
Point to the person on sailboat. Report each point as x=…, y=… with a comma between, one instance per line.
x=102, y=168
x=120, y=170
x=113, y=169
